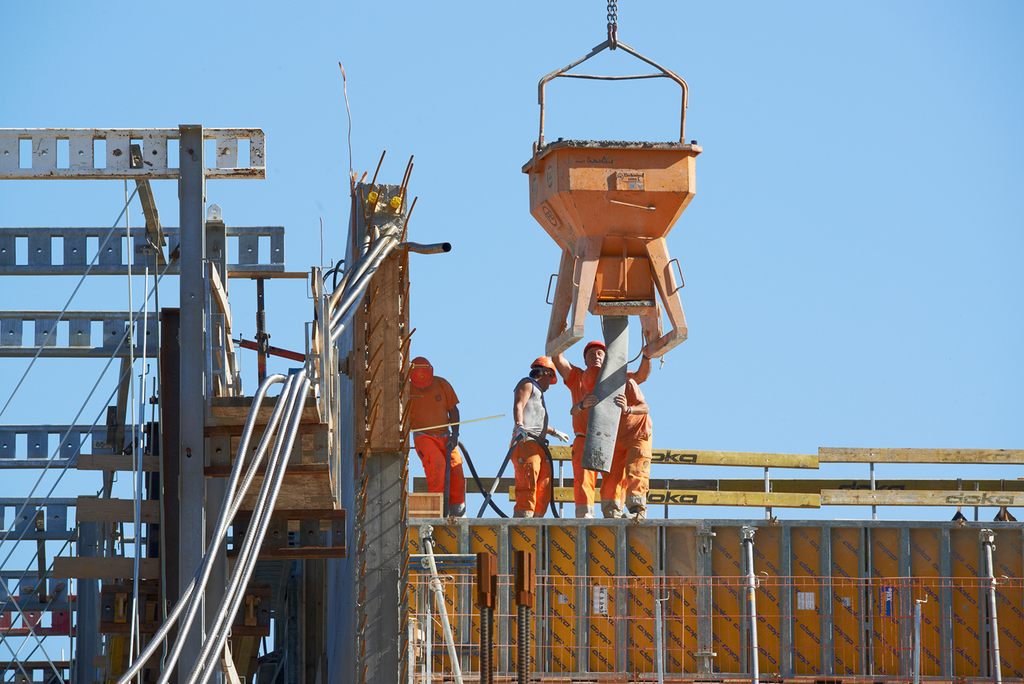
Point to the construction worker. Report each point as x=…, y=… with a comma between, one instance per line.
x=630, y=472
x=433, y=403
x=581, y=384
x=529, y=437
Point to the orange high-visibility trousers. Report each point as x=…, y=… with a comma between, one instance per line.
x=630, y=474
x=584, y=481
x=432, y=451
x=533, y=478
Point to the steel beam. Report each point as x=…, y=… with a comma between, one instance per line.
x=192, y=199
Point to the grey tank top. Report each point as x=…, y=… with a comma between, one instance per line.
x=535, y=414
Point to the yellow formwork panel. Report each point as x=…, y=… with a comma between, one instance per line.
x=562, y=598
x=601, y=568
x=885, y=601
x=925, y=550
x=681, y=610
x=847, y=599
x=480, y=539
x=727, y=598
x=968, y=658
x=1006, y=559
x=767, y=553
x=641, y=546
x=806, y=598
x=521, y=539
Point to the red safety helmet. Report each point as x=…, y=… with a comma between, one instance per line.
x=594, y=343
x=546, y=362
x=422, y=373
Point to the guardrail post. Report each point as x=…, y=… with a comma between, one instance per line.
x=988, y=543
x=748, y=545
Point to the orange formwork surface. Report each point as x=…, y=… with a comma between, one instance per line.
x=833, y=599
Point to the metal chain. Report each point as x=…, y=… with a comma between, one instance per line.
x=613, y=23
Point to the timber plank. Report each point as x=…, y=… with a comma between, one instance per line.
x=91, y=509
x=693, y=497
x=722, y=458
x=815, y=486
x=150, y=464
x=105, y=568
x=845, y=497
x=856, y=455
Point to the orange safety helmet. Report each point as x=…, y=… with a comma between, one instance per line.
x=422, y=373
x=546, y=362
x=594, y=343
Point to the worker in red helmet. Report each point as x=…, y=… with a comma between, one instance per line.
x=433, y=407
x=630, y=473
x=581, y=385
x=529, y=437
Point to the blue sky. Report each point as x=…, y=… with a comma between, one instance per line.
x=852, y=257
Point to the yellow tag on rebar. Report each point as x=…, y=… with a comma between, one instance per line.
x=396, y=202
x=372, y=197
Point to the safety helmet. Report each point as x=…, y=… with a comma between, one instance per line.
x=422, y=373
x=594, y=343
x=546, y=362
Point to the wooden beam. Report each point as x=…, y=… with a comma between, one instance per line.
x=722, y=458
x=105, y=568
x=150, y=464
x=815, y=486
x=92, y=509
x=851, y=455
x=845, y=497
x=693, y=497
x=419, y=484
x=220, y=297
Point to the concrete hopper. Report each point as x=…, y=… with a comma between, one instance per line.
x=609, y=206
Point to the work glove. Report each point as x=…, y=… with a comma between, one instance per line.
x=519, y=433
x=560, y=435
x=453, y=442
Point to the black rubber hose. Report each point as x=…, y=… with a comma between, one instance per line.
x=551, y=462
x=476, y=478
x=501, y=471
x=447, y=480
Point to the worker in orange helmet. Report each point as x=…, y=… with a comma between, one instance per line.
x=630, y=472
x=432, y=403
x=529, y=438
x=581, y=385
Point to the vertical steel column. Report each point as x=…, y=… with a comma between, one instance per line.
x=504, y=607
x=828, y=632
x=786, y=604
x=294, y=666
x=748, y=544
x=621, y=600
x=705, y=541
x=906, y=601
x=988, y=543
x=464, y=600
x=215, y=239
x=192, y=407
x=582, y=561
x=87, y=615
x=946, y=571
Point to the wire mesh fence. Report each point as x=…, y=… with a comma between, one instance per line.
x=589, y=628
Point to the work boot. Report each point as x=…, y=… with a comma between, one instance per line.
x=457, y=510
x=584, y=511
x=611, y=508
x=523, y=514
x=637, y=506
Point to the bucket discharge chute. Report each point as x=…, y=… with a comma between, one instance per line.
x=610, y=206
